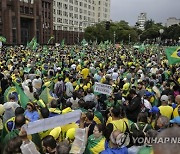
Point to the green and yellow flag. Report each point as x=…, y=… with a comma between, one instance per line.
x=23, y=99
x=2, y=39
x=62, y=43
x=8, y=91
x=142, y=48
x=51, y=38
x=95, y=146
x=45, y=96
x=173, y=55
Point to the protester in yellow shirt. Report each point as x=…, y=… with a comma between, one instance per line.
x=85, y=72
x=119, y=120
x=165, y=109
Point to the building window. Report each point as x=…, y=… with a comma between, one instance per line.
x=70, y=15
x=21, y=9
x=71, y=8
x=80, y=17
x=76, y=9
x=76, y=2
x=31, y=11
x=26, y=10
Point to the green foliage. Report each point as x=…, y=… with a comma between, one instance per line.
x=122, y=31
x=125, y=33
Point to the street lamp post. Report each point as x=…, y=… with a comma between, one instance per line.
x=114, y=37
x=129, y=38
x=81, y=25
x=161, y=31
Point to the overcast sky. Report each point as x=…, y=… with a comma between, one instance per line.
x=157, y=10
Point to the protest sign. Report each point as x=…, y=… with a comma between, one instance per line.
x=103, y=88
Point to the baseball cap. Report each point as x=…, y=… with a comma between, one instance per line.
x=164, y=98
x=148, y=94
x=154, y=109
x=176, y=120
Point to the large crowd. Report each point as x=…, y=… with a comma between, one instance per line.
x=144, y=104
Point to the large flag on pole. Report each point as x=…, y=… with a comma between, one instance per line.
x=23, y=99
x=173, y=55
x=62, y=43
x=142, y=48
x=51, y=38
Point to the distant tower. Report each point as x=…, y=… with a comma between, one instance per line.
x=141, y=20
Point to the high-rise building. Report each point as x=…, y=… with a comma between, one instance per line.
x=141, y=20
x=172, y=21
x=70, y=17
x=21, y=20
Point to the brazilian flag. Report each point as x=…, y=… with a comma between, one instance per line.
x=23, y=99
x=95, y=145
x=98, y=118
x=173, y=55
x=10, y=90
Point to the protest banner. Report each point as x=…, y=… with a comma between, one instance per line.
x=52, y=122
x=103, y=88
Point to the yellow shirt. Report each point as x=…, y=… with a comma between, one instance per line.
x=120, y=124
x=175, y=113
x=66, y=80
x=78, y=68
x=166, y=111
x=85, y=73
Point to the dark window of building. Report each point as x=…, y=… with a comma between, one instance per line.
x=31, y=11
x=21, y=9
x=26, y=10
x=14, y=36
x=13, y=22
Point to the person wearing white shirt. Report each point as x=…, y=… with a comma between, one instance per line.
x=69, y=88
x=10, y=108
x=115, y=75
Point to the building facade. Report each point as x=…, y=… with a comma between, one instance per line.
x=71, y=17
x=21, y=20
x=142, y=18
x=172, y=21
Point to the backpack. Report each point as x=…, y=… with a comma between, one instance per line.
x=139, y=130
